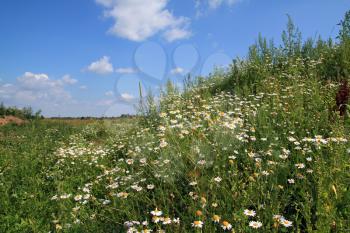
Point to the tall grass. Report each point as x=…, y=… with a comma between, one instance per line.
x=258, y=147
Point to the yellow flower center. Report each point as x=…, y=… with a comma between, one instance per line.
x=225, y=223
x=197, y=223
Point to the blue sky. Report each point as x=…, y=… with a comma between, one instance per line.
x=86, y=57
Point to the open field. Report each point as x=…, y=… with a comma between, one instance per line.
x=262, y=146
x=274, y=161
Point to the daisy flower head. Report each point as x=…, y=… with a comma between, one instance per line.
x=78, y=197
x=129, y=161
x=193, y=183
x=300, y=165
x=197, y=224
x=250, y=213
x=265, y=173
x=128, y=224
x=216, y=218
x=176, y=220
x=156, y=212
x=277, y=217
x=166, y=220
x=163, y=144
x=286, y=223
x=291, y=181
x=218, y=179
x=155, y=219
x=199, y=213
x=226, y=225
x=123, y=195
x=255, y=224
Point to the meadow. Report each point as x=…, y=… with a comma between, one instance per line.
x=262, y=146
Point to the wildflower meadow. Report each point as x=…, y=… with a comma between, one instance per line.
x=262, y=146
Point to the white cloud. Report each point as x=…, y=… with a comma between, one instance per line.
x=109, y=93
x=68, y=80
x=202, y=5
x=83, y=87
x=176, y=34
x=138, y=20
x=125, y=70
x=105, y=3
x=36, y=81
x=31, y=81
x=102, y=66
x=127, y=97
x=177, y=70
x=215, y=3
x=40, y=91
x=36, y=90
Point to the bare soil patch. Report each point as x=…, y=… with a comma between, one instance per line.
x=11, y=119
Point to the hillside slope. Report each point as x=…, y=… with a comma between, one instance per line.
x=263, y=146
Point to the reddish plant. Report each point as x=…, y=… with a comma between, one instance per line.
x=342, y=97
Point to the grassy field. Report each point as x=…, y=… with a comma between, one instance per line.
x=274, y=162
x=27, y=157
x=260, y=147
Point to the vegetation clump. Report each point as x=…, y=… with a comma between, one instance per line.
x=24, y=113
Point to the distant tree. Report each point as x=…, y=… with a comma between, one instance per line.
x=24, y=113
x=2, y=109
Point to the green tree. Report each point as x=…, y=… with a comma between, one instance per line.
x=344, y=32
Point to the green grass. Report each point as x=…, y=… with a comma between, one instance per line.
x=258, y=147
x=202, y=156
x=25, y=155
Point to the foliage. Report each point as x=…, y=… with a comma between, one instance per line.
x=24, y=113
x=260, y=146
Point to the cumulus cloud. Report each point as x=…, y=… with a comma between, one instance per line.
x=69, y=80
x=31, y=81
x=127, y=97
x=36, y=81
x=138, y=20
x=40, y=91
x=36, y=90
x=176, y=34
x=177, y=70
x=202, y=5
x=125, y=70
x=102, y=66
